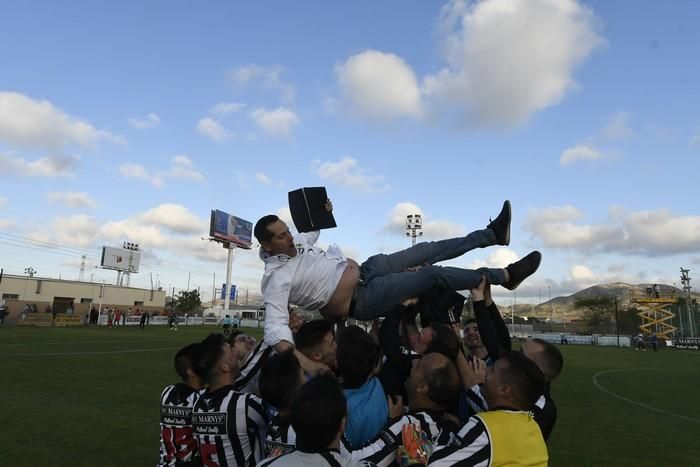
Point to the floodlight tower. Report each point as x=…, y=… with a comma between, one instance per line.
x=414, y=227
x=685, y=280
x=131, y=247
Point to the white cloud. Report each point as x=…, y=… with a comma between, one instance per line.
x=3, y=202
x=173, y=216
x=555, y=228
x=183, y=168
x=211, y=129
x=72, y=199
x=278, y=122
x=54, y=166
x=134, y=231
x=285, y=215
x=379, y=85
x=580, y=153
x=499, y=258
x=507, y=59
x=39, y=124
x=349, y=174
x=262, y=178
x=6, y=224
x=79, y=230
x=225, y=108
x=139, y=172
x=617, y=127
x=267, y=76
x=581, y=273
x=646, y=233
x=659, y=232
x=434, y=229
x=149, y=121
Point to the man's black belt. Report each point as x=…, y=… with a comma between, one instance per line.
x=356, y=293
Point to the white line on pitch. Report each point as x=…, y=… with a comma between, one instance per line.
x=630, y=401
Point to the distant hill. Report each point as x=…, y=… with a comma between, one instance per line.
x=563, y=307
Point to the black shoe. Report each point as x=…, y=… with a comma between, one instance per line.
x=522, y=269
x=501, y=225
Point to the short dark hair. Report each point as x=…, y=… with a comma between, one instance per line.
x=261, y=231
x=357, y=356
x=443, y=384
x=317, y=410
x=231, y=339
x=310, y=335
x=549, y=359
x=279, y=379
x=207, y=355
x=444, y=341
x=525, y=378
x=184, y=360
x=470, y=321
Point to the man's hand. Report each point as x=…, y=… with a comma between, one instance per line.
x=395, y=406
x=478, y=366
x=487, y=294
x=410, y=301
x=295, y=322
x=478, y=293
x=329, y=205
x=470, y=373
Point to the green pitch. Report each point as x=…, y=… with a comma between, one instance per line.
x=85, y=397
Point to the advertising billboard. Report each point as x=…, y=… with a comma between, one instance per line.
x=120, y=259
x=228, y=228
x=233, y=291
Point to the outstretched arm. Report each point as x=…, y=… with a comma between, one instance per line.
x=497, y=318
x=487, y=328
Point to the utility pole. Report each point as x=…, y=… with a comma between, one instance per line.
x=213, y=293
x=617, y=324
x=82, y=268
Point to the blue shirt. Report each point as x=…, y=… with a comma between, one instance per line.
x=368, y=412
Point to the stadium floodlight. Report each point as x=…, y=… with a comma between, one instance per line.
x=130, y=246
x=414, y=227
x=30, y=271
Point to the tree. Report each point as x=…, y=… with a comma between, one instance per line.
x=628, y=320
x=596, y=310
x=187, y=301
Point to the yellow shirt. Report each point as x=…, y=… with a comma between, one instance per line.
x=502, y=438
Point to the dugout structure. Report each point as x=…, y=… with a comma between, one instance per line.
x=656, y=316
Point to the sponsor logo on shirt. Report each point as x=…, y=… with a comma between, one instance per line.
x=211, y=423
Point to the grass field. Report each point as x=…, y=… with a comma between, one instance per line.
x=85, y=397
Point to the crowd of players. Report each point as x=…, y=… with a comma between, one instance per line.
x=332, y=393
x=393, y=395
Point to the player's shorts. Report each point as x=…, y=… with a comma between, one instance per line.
x=226, y=326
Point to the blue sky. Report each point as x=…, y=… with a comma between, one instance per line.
x=132, y=120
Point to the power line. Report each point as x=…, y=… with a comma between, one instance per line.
x=65, y=250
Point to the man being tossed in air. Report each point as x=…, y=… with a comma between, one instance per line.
x=298, y=272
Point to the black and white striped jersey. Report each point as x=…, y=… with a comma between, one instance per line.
x=177, y=443
x=247, y=380
x=381, y=451
x=330, y=458
x=470, y=447
x=281, y=437
x=230, y=428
